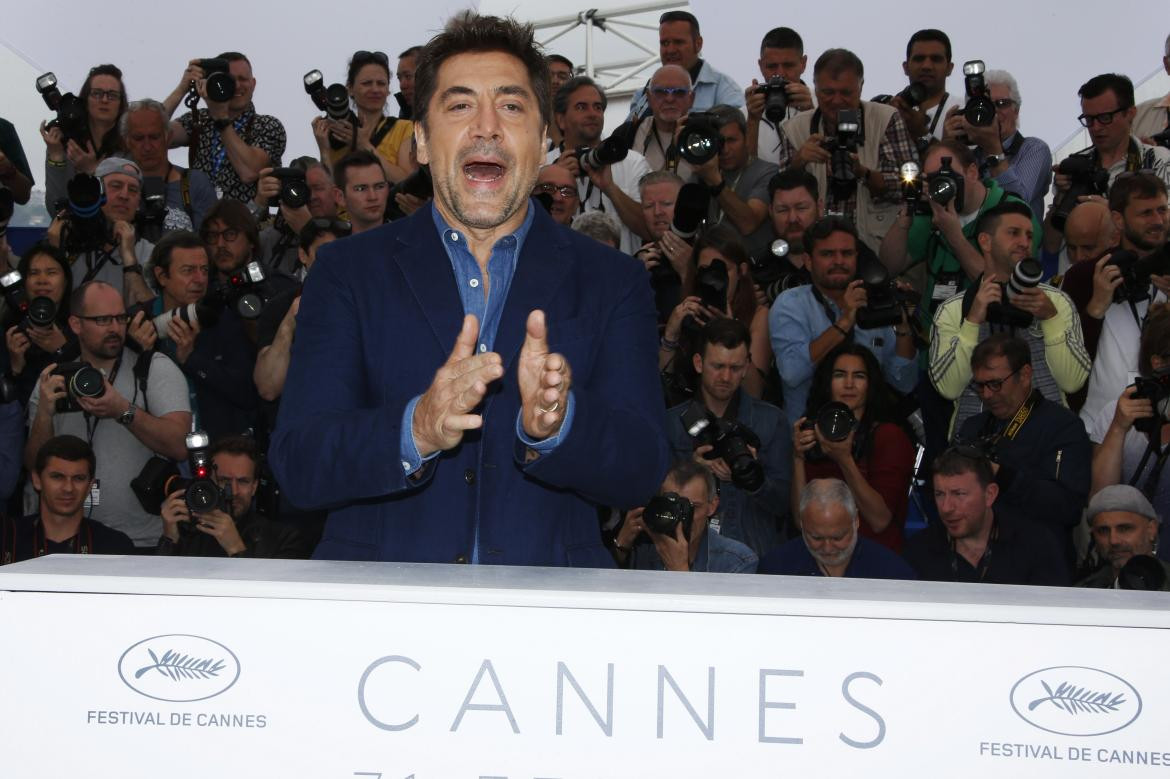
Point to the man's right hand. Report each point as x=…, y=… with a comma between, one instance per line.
x=854, y=299
x=812, y=151
x=990, y=291
x=754, y=101
x=718, y=466
x=174, y=511
x=18, y=344
x=1106, y=279
x=443, y=412
x=1131, y=409
x=569, y=162
x=267, y=186
x=192, y=73
x=51, y=388
x=142, y=330
x=631, y=528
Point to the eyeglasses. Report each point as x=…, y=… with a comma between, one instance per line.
x=670, y=91
x=547, y=189
x=995, y=385
x=376, y=56
x=111, y=95
x=1105, y=117
x=104, y=320
x=228, y=235
x=1004, y=102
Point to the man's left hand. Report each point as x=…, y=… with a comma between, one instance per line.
x=545, y=379
x=602, y=177
x=183, y=334
x=946, y=219
x=675, y=550
x=1035, y=302
x=110, y=405
x=222, y=528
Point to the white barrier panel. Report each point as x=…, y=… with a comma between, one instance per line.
x=138, y=667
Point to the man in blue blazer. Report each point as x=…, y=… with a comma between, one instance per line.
x=470, y=383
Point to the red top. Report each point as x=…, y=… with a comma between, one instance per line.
x=888, y=469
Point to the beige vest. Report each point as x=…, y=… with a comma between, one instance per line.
x=873, y=219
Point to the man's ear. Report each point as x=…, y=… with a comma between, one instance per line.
x=420, y=145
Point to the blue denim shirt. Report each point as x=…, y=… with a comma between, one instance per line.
x=716, y=554
x=488, y=310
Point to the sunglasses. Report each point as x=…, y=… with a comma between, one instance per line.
x=372, y=56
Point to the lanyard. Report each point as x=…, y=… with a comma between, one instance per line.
x=41, y=543
x=92, y=422
x=939, y=112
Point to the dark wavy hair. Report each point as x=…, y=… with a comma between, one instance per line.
x=111, y=143
x=46, y=249
x=879, y=400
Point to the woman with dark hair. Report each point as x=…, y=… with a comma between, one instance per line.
x=876, y=459
x=46, y=273
x=718, y=244
x=103, y=101
x=368, y=82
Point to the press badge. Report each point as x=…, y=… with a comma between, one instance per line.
x=95, y=495
x=945, y=290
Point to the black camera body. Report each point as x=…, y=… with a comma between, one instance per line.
x=245, y=290
x=86, y=227
x=842, y=145
x=912, y=95
x=68, y=107
x=333, y=100
x=1026, y=275
x=729, y=441
x=613, y=149
x=37, y=312
x=773, y=274
x=980, y=110
x=775, y=98
x=1136, y=272
x=1157, y=391
x=835, y=421
x=150, y=222
x=294, y=189
x=1087, y=178
x=221, y=85
x=666, y=512
x=946, y=185
x=885, y=302
x=82, y=380
x=700, y=139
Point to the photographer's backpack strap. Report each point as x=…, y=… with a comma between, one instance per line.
x=382, y=130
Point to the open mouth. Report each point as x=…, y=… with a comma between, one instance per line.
x=483, y=171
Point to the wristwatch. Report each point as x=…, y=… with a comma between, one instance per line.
x=221, y=124
x=127, y=416
x=995, y=159
x=716, y=189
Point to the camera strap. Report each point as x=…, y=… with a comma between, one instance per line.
x=382, y=130
x=92, y=422
x=91, y=268
x=1015, y=424
x=817, y=296
x=40, y=546
x=1161, y=454
x=185, y=191
x=939, y=111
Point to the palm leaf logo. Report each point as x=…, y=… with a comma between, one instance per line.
x=177, y=667
x=1078, y=700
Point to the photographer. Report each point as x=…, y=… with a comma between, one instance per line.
x=927, y=66
x=1041, y=454
x=737, y=182
x=829, y=543
x=278, y=240
x=62, y=474
x=142, y=409
x=1123, y=526
x=232, y=528
x=1121, y=300
x=361, y=190
x=807, y=322
x=781, y=57
x=655, y=136
x=856, y=168
x=386, y=137
x=865, y=447
x=715, y=291
x=102, y=100
x=407, y=64
x=559, y=185
x=977, y=540
x=31, y=347
x=795, y=206
x=579, y=112
x=203, y=334
x=1130, y=434
x=1021, y=165
x=666, y=255
x=228, y=140
x=750, y=513
x=1007, y=299
x=146, y=134
x=691, y=546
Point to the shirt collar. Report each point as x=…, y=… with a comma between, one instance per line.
x=515, y=239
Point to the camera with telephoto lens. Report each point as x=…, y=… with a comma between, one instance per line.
x=333, y=100
x=613, y=149
x=980, y=110
x=835, y=421
x=37, y=312
x=946, y=185
x=160, y=478
x=1026, y=275
x=85, y=227
x=1155, y=389
x=294, y=189
x=775, y=98
x=1086, y=178
x=885, y=301
x=690, y=214
x=729, y=441
x=700, y=139
x=773, y=274
x=842, y=145
x=667, y=511
x=221, y=85
x=150, y=221
x=201, y=313
x=1136, y=272
x=245, y=290
x=82, y=380
x=69, y=108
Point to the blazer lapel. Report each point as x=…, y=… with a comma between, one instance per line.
x=427, y=269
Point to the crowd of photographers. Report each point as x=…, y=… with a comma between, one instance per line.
x=866, y=311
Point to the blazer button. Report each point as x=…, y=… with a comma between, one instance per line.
x=469, y=476
x=461, y=559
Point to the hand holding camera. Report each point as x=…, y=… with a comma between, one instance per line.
x=1131, y=407
x=717, y=466
x=813, y=151
x=183, y=333
x=54, y=141
x=990, y=291
x=142, y=331
x=84, y=159
x=668, y=519
x=17, y=343
x=855, y=298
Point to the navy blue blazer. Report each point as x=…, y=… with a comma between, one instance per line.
x=380, y=314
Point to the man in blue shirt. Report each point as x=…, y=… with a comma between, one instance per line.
x=807, y=322
x=829, y=544
x=469, y=383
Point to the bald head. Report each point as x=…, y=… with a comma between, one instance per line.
x=1089, y=231
x=671, y=94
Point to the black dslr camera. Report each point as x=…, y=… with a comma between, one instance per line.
x=150, y=222
x=221, y=86
x=332, y=99
x=730, y=441
x=980, y=110
x=912, y=95
x=1136, y=272
x=82, y=380
x=245, y=290
x=835, y=421
x=775, y=98
x=38, y=312
x=294, y=189
x=1157, y=391
x=772, y=273
x=846, y=142
x=884, y=300
x=613, y=149
x=1088, y=178
x=945, y=185
x=86, y=227
x=70, y=110
x=1026, y=275
x=160, y=479
x=666, y=512
x=700, y=139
